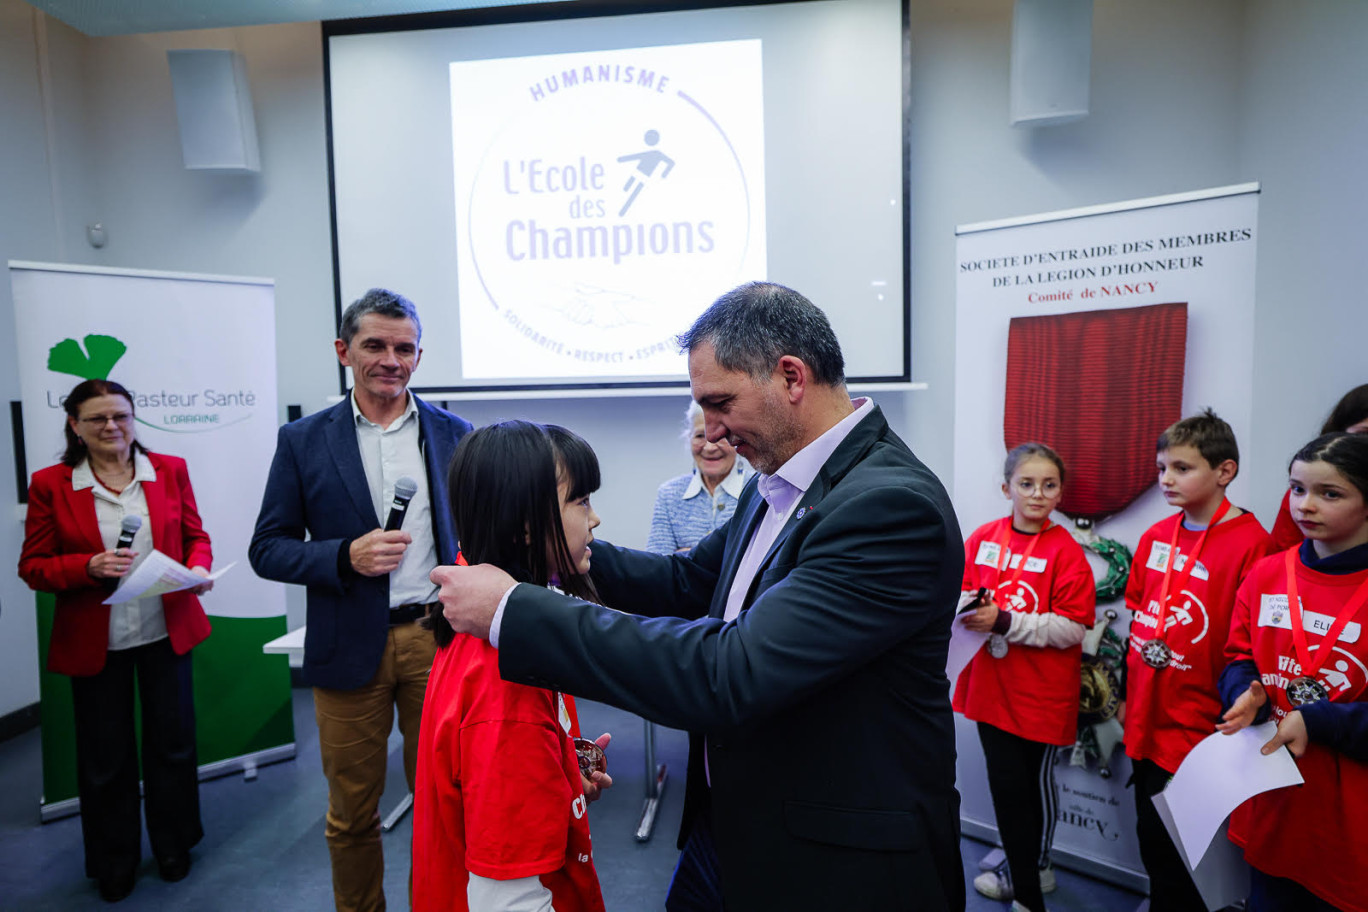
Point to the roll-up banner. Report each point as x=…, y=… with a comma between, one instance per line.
x=198, y=354
x=1092, y=330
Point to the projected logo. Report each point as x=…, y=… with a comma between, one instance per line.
x=603, y=199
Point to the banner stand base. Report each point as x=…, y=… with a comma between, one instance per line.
x=247, y=764
x=1063, y=858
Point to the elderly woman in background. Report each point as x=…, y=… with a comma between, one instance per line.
x=690, y=506
x=76, y=510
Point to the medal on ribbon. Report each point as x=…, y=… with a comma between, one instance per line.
x=591, y=757
x=1307, y=688
x=1156, y=652
x=997, y=643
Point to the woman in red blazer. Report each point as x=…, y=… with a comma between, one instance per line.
x=75, y=511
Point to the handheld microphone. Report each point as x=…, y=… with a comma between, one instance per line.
x=404, y=489
x=127, y=529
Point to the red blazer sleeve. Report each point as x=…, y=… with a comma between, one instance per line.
x=178, y=533
x=44, y=563
x=194, y=540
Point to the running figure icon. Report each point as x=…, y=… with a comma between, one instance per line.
x=647, y=161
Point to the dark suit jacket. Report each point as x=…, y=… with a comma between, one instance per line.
x=61, y=535
x=317, y=486
x=824, y=706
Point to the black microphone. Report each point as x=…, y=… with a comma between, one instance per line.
x=404, y=489
x=127, y=529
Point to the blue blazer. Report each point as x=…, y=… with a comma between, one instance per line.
x=317, y=486
x=824, y=706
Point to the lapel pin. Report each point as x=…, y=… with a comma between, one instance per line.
x=801, y=512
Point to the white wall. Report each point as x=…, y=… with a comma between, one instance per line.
x=28, y=230
x=1184, y=96
x=1163, y=111
x=1303, y=131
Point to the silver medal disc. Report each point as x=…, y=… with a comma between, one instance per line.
x=1156, y=654
x=997, y=645
x=1304, y=690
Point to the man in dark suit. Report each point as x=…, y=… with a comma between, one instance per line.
x=822, y=761
x=333, y=480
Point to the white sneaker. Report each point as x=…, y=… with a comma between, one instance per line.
x=997, y=883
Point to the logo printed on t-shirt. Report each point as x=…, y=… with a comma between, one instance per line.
x=1020, y=597
x=1186, y=610
x=1342, y=674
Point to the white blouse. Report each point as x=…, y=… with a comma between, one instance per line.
x=139, y=621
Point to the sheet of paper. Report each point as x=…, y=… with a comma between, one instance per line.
x=1222, y=876
x=1216, y=777
x=158, y=574
x=964, y=645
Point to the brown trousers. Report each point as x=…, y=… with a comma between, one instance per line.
x=353, y=737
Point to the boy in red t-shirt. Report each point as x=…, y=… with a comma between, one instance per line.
x=1181, y=592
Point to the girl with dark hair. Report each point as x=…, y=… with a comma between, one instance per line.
x=1349, y=414
x=1031, y=589
x=77, y=511
x=1298, y=655
x=503, y=777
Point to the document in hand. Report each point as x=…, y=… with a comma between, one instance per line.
x=1217, y=776
x=158, y=574
x=964, y=645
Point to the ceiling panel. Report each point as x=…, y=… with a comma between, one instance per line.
x=130, y=17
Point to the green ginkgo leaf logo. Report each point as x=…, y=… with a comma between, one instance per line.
x=94, y=363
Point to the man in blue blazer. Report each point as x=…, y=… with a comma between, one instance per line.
x=822, y=763
x=330, y=487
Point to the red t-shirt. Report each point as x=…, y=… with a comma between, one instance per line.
x=498, y=789
x=1031, y=692
x=1286, y=533
x=1169, y=710
x=1316, y=833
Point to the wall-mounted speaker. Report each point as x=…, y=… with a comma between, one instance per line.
x=1051, y=61
x=214, y=110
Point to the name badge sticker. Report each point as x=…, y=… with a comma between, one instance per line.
x=1199, y=571
x=1158, y=556
x=1035, y=565
x=988, y=553
x=563, y=713
x=1273, y=612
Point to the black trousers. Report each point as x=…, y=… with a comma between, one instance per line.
x=107, y=758
x=1021, y=781
x=1171, y=885
x=696, y=885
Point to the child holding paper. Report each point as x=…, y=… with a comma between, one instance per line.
x=1299, y=654
x=1181, y=593
x=1022, y=686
